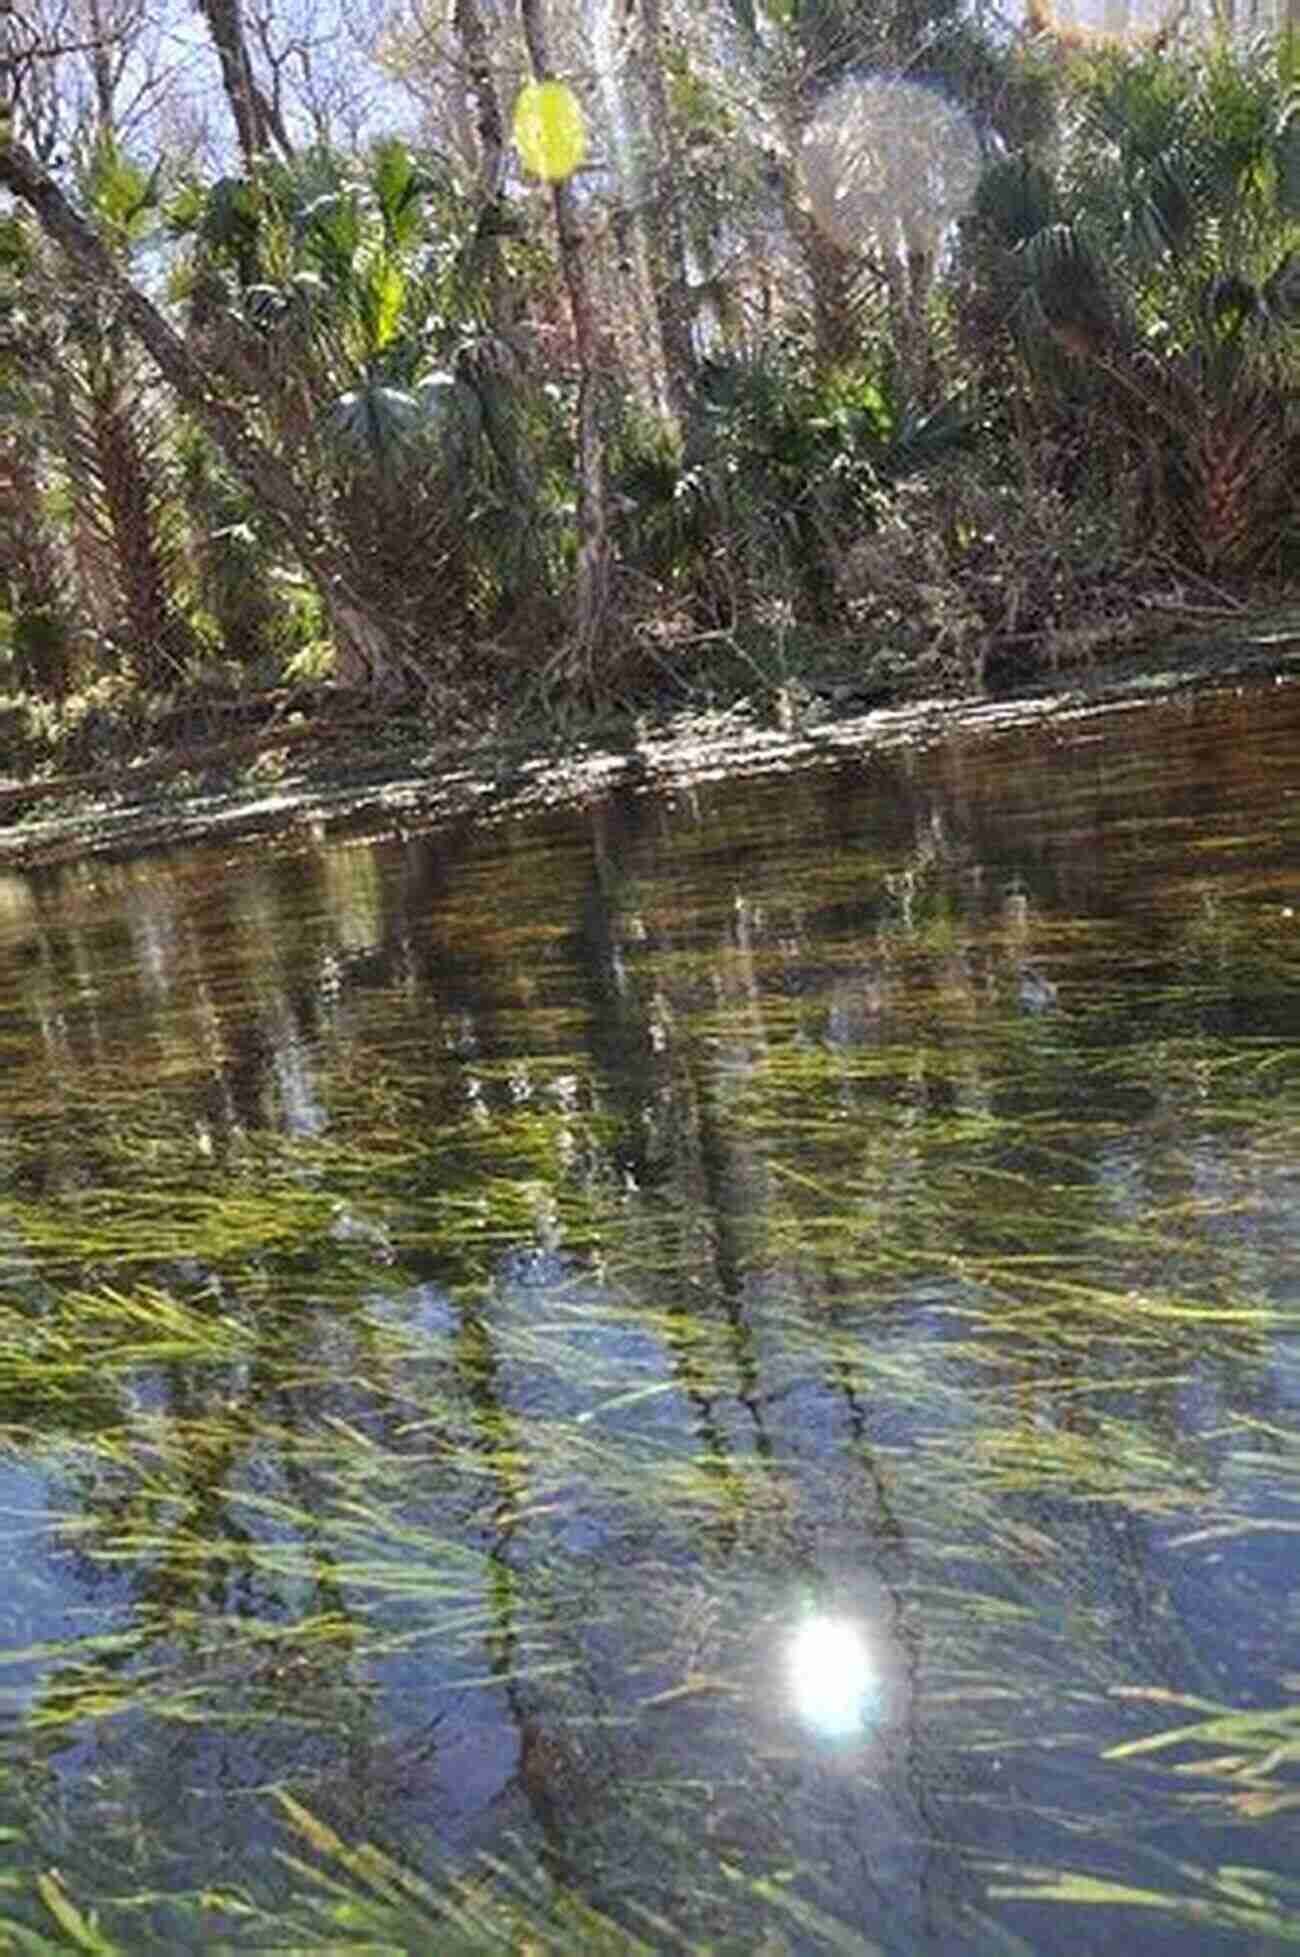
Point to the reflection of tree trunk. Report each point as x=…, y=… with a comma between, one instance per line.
x=365, y=649
x=542, y=1757
x=595, y=554
x=735, y=1197
x=734, y=1169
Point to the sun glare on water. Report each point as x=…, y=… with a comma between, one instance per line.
x=834, y=1681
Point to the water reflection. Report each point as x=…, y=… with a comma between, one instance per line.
x=743, y=1349
x=834, y=1677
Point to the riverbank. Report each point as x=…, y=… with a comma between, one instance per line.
x=319, y=763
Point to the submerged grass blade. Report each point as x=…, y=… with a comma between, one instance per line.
x=1254, y=1901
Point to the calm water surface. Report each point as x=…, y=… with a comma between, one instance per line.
x=716, y=1372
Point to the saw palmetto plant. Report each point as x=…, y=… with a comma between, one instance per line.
x=341, y=298
x=81, y=409
x=1146, y=279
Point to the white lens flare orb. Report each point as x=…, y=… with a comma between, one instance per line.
x=834, y=1682
x=889, y=165
x=1102, y=23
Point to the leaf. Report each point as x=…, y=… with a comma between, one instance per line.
x=229, y=220
x=185, y=211
x=1286, y=156
x=1282, y=290
x=83, y=1931
x=376, y=424
x=742, y=12
x=400, y=185
x=1015, y=199
x=387, y=297
x=119, y=191
x=332, y=228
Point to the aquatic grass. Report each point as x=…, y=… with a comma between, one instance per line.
x=1253, y=1752
x=79, y=1930
x=457, y=1470
x=1261, y=1903
x=39, y=1917
x=1115, y=1460
x=147, y=1225
x=611, y=1467
x=500, y=1903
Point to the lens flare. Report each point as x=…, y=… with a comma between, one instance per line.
x=834, y=1681
x=890, y=164
x=1074, y=24
x=549, y=130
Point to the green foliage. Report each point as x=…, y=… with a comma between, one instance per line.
x=250, y=616
x=1172, y=174
x=124, y=197
x=1120, y=306
x=40, y=650
x=1177, y=165
x=780, y=473
x=342, y=292
x=1147, y=280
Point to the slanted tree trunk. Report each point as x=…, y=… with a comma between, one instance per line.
x=595, y=553
x=364, y=645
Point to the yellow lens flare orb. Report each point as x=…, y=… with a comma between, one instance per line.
x=549, y=131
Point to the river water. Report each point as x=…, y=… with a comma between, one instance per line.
x=714, y=1370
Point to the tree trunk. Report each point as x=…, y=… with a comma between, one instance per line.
x=908, y=273
x=149, y=622
x=94, y=586
x=595, y=554
x=833, y=272
x=363, y=644
x=256, y=122
x=472, y=33
x=667, y=242
x=101, y=66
